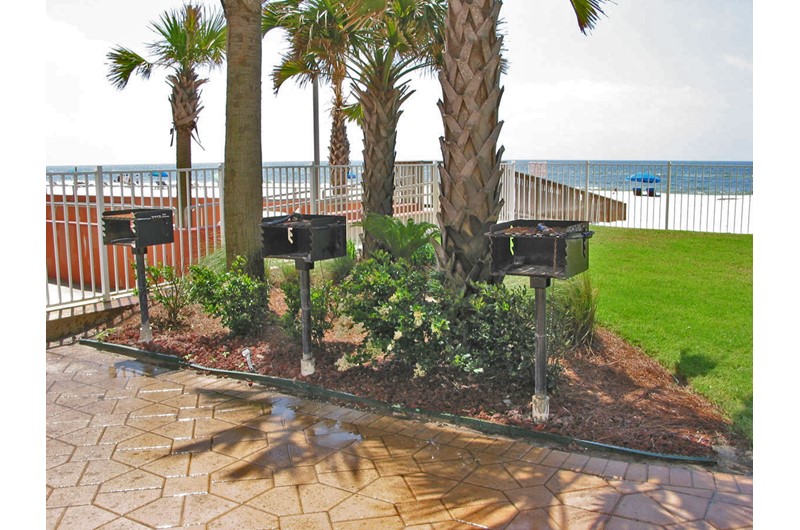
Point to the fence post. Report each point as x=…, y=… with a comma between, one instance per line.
x=222, y=201
x=666, y=202
x=101, y=249
x=586, y=194
x=314, y=191
x=315, y=170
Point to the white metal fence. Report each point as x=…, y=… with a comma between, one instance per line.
x=712, y=197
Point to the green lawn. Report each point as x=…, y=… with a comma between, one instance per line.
x=686, y=299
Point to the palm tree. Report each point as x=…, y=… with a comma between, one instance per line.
x=189, y=38
x=405, y=37
x=319, y=34
x=470, y=174
x=243, y=192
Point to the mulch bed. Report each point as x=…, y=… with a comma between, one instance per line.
x=610, y=393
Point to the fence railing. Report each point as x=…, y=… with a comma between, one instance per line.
x=711, y=197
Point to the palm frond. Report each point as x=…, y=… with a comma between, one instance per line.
x=588, y=13
x=354, y=112
x=123, y=64
x=303, y=71
x=190, y=36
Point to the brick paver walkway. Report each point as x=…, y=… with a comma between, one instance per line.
x=133, y=446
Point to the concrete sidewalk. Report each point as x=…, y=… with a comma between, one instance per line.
x=132, y=446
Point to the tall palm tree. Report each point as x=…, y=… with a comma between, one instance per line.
x=243, y=192
x=407, y=36
x=189, y=38
x=319, y=34
x=470, y=174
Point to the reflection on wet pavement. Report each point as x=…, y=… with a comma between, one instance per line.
x=134, y=445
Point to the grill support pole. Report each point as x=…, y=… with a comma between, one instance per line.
x=540, y=402
x=145, y=333
x=307, y=364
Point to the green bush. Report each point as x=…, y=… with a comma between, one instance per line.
x=168, y=288
x=321, y=309
x=402, y=308
x=239, y=301
x=493, y=331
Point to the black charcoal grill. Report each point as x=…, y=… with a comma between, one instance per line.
x=139, y=228
x=304, y=239
x=545, y=249
x=540, y=250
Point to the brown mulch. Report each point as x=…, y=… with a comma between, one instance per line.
x=612, y=393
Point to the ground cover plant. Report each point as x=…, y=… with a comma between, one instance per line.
x=394, y=333
x=685, y=299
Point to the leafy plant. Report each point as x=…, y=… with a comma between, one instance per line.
x=402, y=308
x=493, y=331
x=321, y=309
x=169, y=289
x=401, y=240
x=238, y=300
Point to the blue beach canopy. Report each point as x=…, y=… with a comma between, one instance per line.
x=644, y=177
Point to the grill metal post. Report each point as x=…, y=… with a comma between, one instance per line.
x=139, y=228
x=145, y=332
x=307, y=363
x=541, y=250
x=304, y=239
x=541, y=401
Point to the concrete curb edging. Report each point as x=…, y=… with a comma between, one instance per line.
x=308, y=389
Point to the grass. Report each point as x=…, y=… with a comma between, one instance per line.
x=686, y=299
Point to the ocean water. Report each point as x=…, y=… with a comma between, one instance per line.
x=690, y=177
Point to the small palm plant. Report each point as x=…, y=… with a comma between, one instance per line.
x=401, y=240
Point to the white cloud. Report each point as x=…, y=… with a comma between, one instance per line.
x=737, y=62
x=639, y=86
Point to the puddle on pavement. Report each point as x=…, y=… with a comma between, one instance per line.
x=124, y=369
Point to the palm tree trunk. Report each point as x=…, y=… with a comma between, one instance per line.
x=183, y=138
x=380, y=101
x=243, y=192
x=185, y=103
x=470, y=174
x=339, y=152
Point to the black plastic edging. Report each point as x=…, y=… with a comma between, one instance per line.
x=313, y=390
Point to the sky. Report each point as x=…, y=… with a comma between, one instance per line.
x=655, y=80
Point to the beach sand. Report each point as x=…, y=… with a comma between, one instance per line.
x=698, y=213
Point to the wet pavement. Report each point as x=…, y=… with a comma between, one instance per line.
x=133, y=446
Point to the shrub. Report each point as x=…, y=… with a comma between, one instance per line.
x=239, y=301
x=169, y=289
x=402, y=309
x=493, y=332
x=321, y=309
